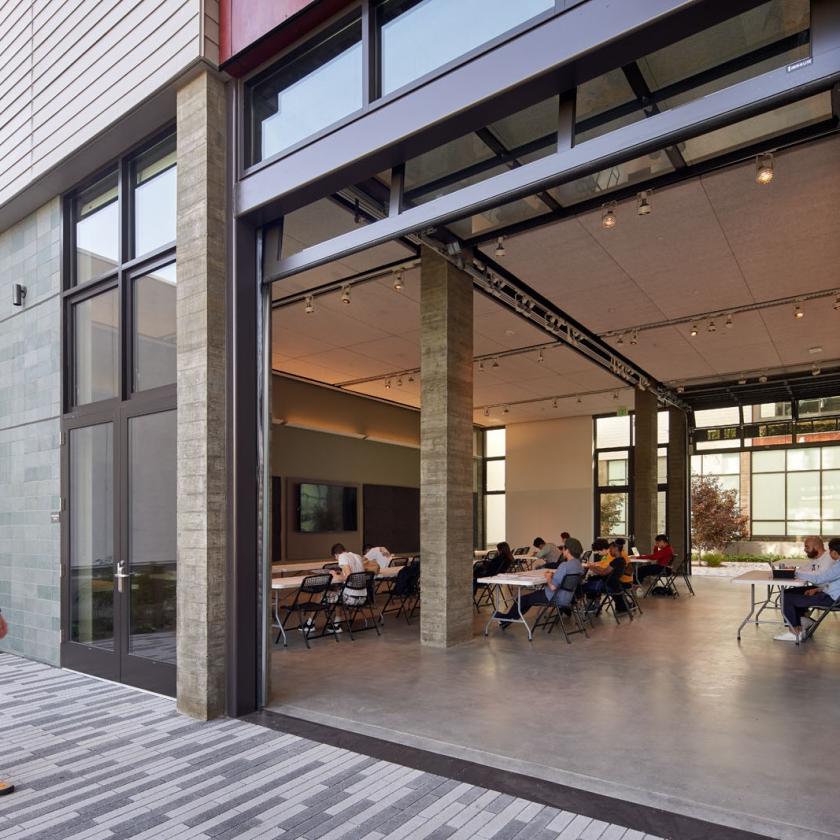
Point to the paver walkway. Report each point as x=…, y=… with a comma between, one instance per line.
x=92, y=760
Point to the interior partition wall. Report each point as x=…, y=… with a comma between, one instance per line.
x=119, y=556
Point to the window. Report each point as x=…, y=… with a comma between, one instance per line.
x=153, y=330
x=97, y=230
x=311, y=89
x=153, y=193
x=724, y=466
x=796, y=492
x=494, y=485
x=96, y=348
x=418, y=36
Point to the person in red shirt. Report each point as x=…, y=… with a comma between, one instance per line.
x=662, y=555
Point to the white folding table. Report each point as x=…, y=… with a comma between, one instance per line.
x=517, y=581
x=775, y=587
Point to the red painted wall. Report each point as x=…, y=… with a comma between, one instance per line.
x=253, y=30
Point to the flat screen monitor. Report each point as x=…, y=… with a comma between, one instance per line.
x=326, y=507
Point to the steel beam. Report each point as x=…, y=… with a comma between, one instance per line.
x=722, y=108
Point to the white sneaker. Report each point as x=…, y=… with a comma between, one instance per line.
x=787, y=636
x=334, y=628
x=308, y=627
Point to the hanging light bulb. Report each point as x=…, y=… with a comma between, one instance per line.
x=540, y=357
x=728, y=322
x=345, y=294
x=309, y=308
x=764, y=168
x=634, y=337
x=643, y=207
x=500, y=246
x=712, y=327
x=398, y=281
x=693, y=331
x=608, y=218
x=797, y=312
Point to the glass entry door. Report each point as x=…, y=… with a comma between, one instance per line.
x=119, y=546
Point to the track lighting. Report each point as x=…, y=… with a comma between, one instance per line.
x=486, y=412
x=309, y=308
x=608, y=219
x=728, y=322
x=712, y=327
x=643, y=207
x=345, y=294
x=815, y=371
x=615, y=395
x=764, y=168
x=495, y=362
x=742, y=381
x=634, y=337
x=387, y=384
x=554, y=404
x=500, y=246
x=399, y=382
x=540, y=357
x=762, y=379
x=797, y=312
x=506, y=410
x=837, y=303
x=481, y=364
x=620, y=339
x=680, y=389
x=693, y=331
x=398, y=281
x=411, y=379
x=579, y=400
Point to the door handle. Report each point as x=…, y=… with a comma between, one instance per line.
x=120, y=576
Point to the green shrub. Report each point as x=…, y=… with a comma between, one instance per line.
x=714, y=559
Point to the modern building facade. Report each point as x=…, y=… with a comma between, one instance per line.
x=188, y=187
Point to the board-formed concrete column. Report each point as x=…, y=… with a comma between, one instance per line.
x=201, y=128
x=678, y=478
x=645, y=470
x=446, y=452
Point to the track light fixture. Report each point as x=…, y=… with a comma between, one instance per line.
x=608, y=218
x=762, y=379
x=506, y=410
x=500, y=246
x=579, y=400
x=693, y=331
x=540, y=356
x=411, y=378
x=398, y=281
x=742, y=380
x=680, y=389
x=837, y=303
x=486, y=412
x=481, y=364
x=728, y=322
x=345, y=294
x=615, y=395
x=643, y=207
x=797, y=312
x=620, y=340
x=387, y=384
x=399, y=382
x=309, y=308
x=764, y=168
x=495, y=362
x=554, y=404
x=634, y=337
x=712, y=327
x=815, y=371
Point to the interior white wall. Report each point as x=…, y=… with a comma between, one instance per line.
x=549, y=480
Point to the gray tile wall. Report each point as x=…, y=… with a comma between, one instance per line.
x=30, y=404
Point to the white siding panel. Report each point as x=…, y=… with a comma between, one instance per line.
x=72, y=69
x=125, y=95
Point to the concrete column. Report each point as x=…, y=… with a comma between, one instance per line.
x=202, y=479
x=678, y=477
x=446, y=481
x=645, y=470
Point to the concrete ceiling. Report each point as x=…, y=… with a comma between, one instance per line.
x=713, y=242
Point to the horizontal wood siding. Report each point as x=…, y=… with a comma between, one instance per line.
x=71, y=70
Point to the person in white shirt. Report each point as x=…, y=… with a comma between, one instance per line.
x=348, y=564
x=819, y=557
x=379, y=554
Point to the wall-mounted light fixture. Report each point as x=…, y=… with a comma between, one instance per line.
x=18, y=294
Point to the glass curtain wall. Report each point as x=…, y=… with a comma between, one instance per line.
x=119, y=419
x=494, y=486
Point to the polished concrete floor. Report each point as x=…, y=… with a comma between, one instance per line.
x=669, y=711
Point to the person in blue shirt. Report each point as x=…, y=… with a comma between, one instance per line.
x=552, y=593
x=795, y=605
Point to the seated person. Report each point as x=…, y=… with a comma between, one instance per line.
x=819, y=559
x=663, y=555
x=552, y=593
x=376, y=554
x=498, y=565
x=621, y=545
x=548, y=553
x=608, y=569
x=564, y=535
x=796, y=604
x=348, y=564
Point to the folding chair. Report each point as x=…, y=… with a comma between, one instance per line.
x=488, y=567
x=834, y=606
x=385, y=585
x=570, y=583
x=358, y=581
x=317, y=585
x=405, y=592
x=614, y=593
x=667, y=578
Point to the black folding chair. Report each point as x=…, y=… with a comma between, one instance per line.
x=357, y=581
x=667, y=578
x=618, y=598
x=834, y=606
x=310, y=599
x=405, y=593
x=385, y=585
x=493, y=564
x=551, y=615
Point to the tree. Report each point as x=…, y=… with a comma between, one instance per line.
x=716, y=518
x=612, y=512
